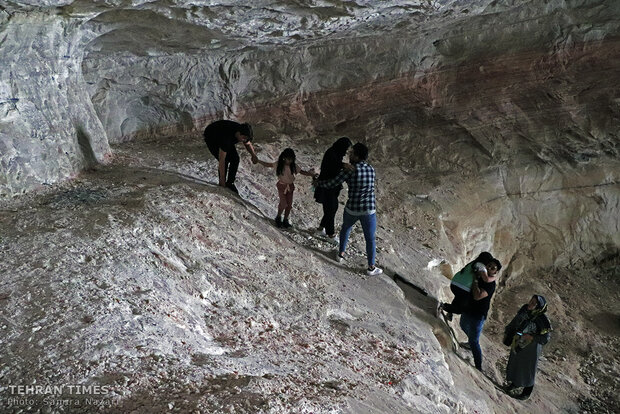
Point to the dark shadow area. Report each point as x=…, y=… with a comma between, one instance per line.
x=416, y=295
x=85, y=147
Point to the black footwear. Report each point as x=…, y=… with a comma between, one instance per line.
x=465, y=345
x=232, y=187
x=525, y=394
x=449, y=316
x=278, y=222
x=286, y=224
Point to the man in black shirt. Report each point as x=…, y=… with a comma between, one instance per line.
x=221, y=138
x=472, y=320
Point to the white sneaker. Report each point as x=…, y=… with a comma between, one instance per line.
x=339, y=258
x=374, y=272
x=320, y=232
x=334, y=240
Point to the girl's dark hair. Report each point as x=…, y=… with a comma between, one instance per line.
x=287, y=153
x=484, y=258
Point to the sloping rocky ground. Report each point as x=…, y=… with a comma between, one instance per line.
x=144, y=277
x=182, y=297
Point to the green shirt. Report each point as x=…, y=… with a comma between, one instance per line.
x=465, y=277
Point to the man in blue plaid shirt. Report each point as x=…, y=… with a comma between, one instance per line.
x=361, y=205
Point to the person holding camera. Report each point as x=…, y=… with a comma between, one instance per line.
x=526, y=334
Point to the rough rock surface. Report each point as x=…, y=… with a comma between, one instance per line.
x=492, y=125
x=503, y=79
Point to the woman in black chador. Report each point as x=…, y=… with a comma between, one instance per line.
x=331, y=165
x=526, y=334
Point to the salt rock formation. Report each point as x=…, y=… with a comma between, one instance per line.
x=492, y=125
x=154, y=68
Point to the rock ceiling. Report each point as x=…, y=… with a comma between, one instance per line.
x=79, y=75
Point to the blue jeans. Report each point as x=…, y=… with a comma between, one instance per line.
x=472, y=326
x=369, y=226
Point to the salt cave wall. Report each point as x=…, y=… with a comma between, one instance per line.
x=144, y=87
x=516, y=94
x=152, y=69
x=49, y=129
x=527, y=93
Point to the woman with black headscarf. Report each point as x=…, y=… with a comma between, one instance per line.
x=331, y=165
x=526, y=334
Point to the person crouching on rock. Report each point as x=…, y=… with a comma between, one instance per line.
x=473, y=318
x=461, y=285
x=286, y=168
x=221, y=137
x=526, y=334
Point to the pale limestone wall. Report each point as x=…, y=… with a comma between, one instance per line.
x=533, y=221
x=510, y=98
x=48, y=127
x=117, y=74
